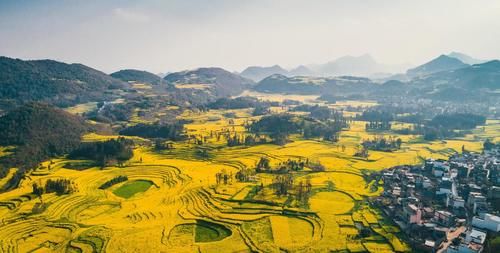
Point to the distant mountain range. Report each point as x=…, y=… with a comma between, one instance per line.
x=443, y=78
x=363, y=65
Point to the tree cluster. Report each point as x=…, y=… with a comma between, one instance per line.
x=59, y=186
x=223, y=177
x=303, y=192
x=113, y=181
x=489, y=145
x=173, y=131
x=247, y=140
x=280, y=126
x=239, y=103
x=457, y=121
x=110, y=112
x=376, y=116
x=378, y=125
x=263, y=166
x=380, y=143
x=282, y=184
x=245, y=175
x=106, y=153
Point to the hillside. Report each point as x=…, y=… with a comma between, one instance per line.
x=441, y=63
x=313, y=85
x=38, y=131
x=474, y=82
x=138, y=76
x=465, y=58
x=52, y=82
x=258, y=73
x=219, y=81
x=301, y=71
x=477, y=82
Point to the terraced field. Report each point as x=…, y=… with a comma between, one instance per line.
x=171, y=202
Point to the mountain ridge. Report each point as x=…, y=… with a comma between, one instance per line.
x=53, y=82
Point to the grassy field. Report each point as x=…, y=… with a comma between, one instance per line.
x=129, y=189
x=171, y=202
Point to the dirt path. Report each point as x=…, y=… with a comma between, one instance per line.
x=451, y=236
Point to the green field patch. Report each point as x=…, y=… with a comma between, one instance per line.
x=210, y=232
x=261, y=233
x=131, y=188
x=79, y=165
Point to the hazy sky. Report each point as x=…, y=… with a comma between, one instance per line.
x=162, y=36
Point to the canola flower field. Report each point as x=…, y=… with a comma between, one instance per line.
x=171, y=202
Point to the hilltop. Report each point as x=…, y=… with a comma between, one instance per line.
x=219, y=81
x=137, y=76
x=258, y=73
x=441, y=63
x=53, y=82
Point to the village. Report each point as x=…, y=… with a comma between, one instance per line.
x=448, y=206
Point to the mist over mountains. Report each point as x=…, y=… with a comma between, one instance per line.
x=365, y=66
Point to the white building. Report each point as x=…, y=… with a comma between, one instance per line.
x=475, y=236
x=490, y=222
x=454, y=201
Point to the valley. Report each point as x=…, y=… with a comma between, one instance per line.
x=173, y=201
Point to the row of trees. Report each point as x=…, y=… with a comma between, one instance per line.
x=223, y=177
x=59, y=186
x=173, y=131
x=247, y=140
x=263, y=166
x=380, y=143
x=283, y=185
x=113, y=181
x=378, y=125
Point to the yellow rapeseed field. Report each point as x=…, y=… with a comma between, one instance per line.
x=185, y=211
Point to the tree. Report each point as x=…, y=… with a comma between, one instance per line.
x=263, y=165
x=282, y=184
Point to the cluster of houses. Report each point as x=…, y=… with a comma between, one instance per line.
x=446, y=206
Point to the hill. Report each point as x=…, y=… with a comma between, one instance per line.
x=441, y=63
x=52, y=82
x=301, y=71
x=257, y=73
x=219, y=82
x=314, y=85
x=38, y=132
x=478, y=76
x=138, y=76
x=465, y=58
x=363, y=65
